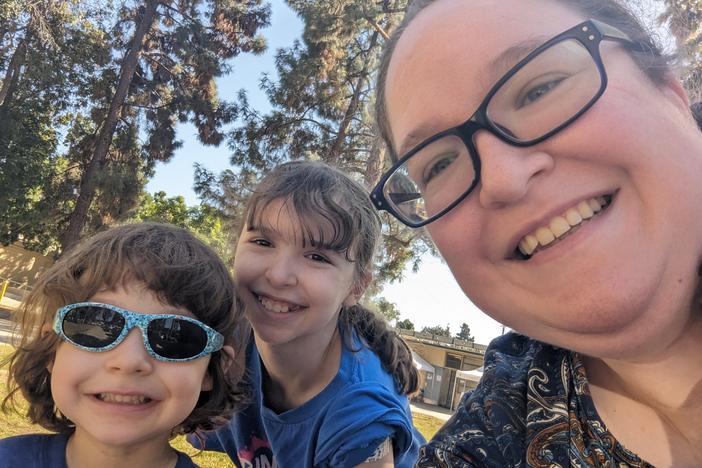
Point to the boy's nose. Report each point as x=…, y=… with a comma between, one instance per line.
x=507, y=171
x=130, y=356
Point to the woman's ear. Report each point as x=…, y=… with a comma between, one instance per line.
x=675, y=91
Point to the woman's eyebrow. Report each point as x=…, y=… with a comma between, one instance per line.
x=495, y=69
x=509, y=57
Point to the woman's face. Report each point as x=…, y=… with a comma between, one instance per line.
x=620, y=280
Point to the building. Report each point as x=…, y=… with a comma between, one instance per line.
x=448, y=366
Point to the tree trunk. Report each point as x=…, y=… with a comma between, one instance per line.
x=13, y=69
x=88, y=182
x=335, y=150
x=374, y=165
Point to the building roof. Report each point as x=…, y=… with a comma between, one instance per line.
x=421, y=364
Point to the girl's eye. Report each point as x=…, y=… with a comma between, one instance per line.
x=318, y=258
x=261, y=242
x=537, y=92
x=439, y=165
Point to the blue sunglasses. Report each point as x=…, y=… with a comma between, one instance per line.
x=98, y=327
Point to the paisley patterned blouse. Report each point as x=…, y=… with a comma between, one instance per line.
x=532, y=408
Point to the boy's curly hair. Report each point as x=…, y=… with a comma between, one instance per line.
x=169, y=261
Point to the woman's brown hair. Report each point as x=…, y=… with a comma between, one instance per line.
x=325, y=200
x=168, y=261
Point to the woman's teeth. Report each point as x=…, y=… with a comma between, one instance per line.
x=277, y=306
x=561, y=225
x=123, y=399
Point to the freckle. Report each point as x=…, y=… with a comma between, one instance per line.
x=680, y=280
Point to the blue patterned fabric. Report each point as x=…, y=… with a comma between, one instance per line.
x=532, y=408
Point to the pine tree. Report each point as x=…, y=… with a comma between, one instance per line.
x=171, y=53
x=322, y=110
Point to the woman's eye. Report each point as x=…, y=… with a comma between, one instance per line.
x=535, y=93
x=439, y=165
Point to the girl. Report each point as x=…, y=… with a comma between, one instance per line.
x=128, y=340
x=553, y=157
x=330, y=380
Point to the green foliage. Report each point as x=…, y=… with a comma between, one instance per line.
x=321, y=108
x=202, y=220
x=464, y=334
x=75, y=75
x=405, y=324
x=437, y=330
x=383, y=307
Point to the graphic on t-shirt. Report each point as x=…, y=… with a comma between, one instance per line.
x=258, y=455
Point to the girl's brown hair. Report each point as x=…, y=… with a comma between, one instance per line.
x=325, y=200
x=169, y=261
x=654, y=63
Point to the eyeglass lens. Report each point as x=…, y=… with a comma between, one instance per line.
x=539, y=97
x=98, y=327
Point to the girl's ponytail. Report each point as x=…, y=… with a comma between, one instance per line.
x=394, y=353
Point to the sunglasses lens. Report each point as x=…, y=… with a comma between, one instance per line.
x=92, y=326
x=176, y=338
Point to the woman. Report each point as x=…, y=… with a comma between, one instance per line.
x=552, y=155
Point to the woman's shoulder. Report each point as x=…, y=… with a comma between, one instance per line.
x=34, y=450
x=489, y=426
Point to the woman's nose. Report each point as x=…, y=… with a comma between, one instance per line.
x=130, y=356
x=282, y=271
x=507, y=171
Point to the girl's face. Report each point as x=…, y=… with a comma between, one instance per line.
x=293, y=292
x=123, y=397
x=622, y=279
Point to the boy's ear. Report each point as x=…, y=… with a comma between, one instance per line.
x=228, y=356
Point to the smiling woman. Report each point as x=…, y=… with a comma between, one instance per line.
x=551, y=153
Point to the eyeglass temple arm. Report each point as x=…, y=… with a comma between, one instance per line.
x=610, y=32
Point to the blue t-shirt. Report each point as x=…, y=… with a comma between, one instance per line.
x=48, y=450
x=340, y=427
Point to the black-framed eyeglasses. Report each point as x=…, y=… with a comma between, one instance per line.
x=540, y=96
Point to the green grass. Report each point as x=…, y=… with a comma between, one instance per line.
x=426, y=425
x=14, y=424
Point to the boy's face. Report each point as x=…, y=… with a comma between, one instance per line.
x=122, y=397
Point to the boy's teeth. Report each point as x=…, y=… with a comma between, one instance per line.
x=276, y=306
x=559, y=226
x=123, y=399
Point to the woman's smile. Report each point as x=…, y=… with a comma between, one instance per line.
x=559, y=227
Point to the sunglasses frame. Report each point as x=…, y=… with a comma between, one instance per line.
x=215, y=340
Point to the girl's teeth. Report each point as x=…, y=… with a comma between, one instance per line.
x=275, y=306
x=561, y=225
x=123, y=399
